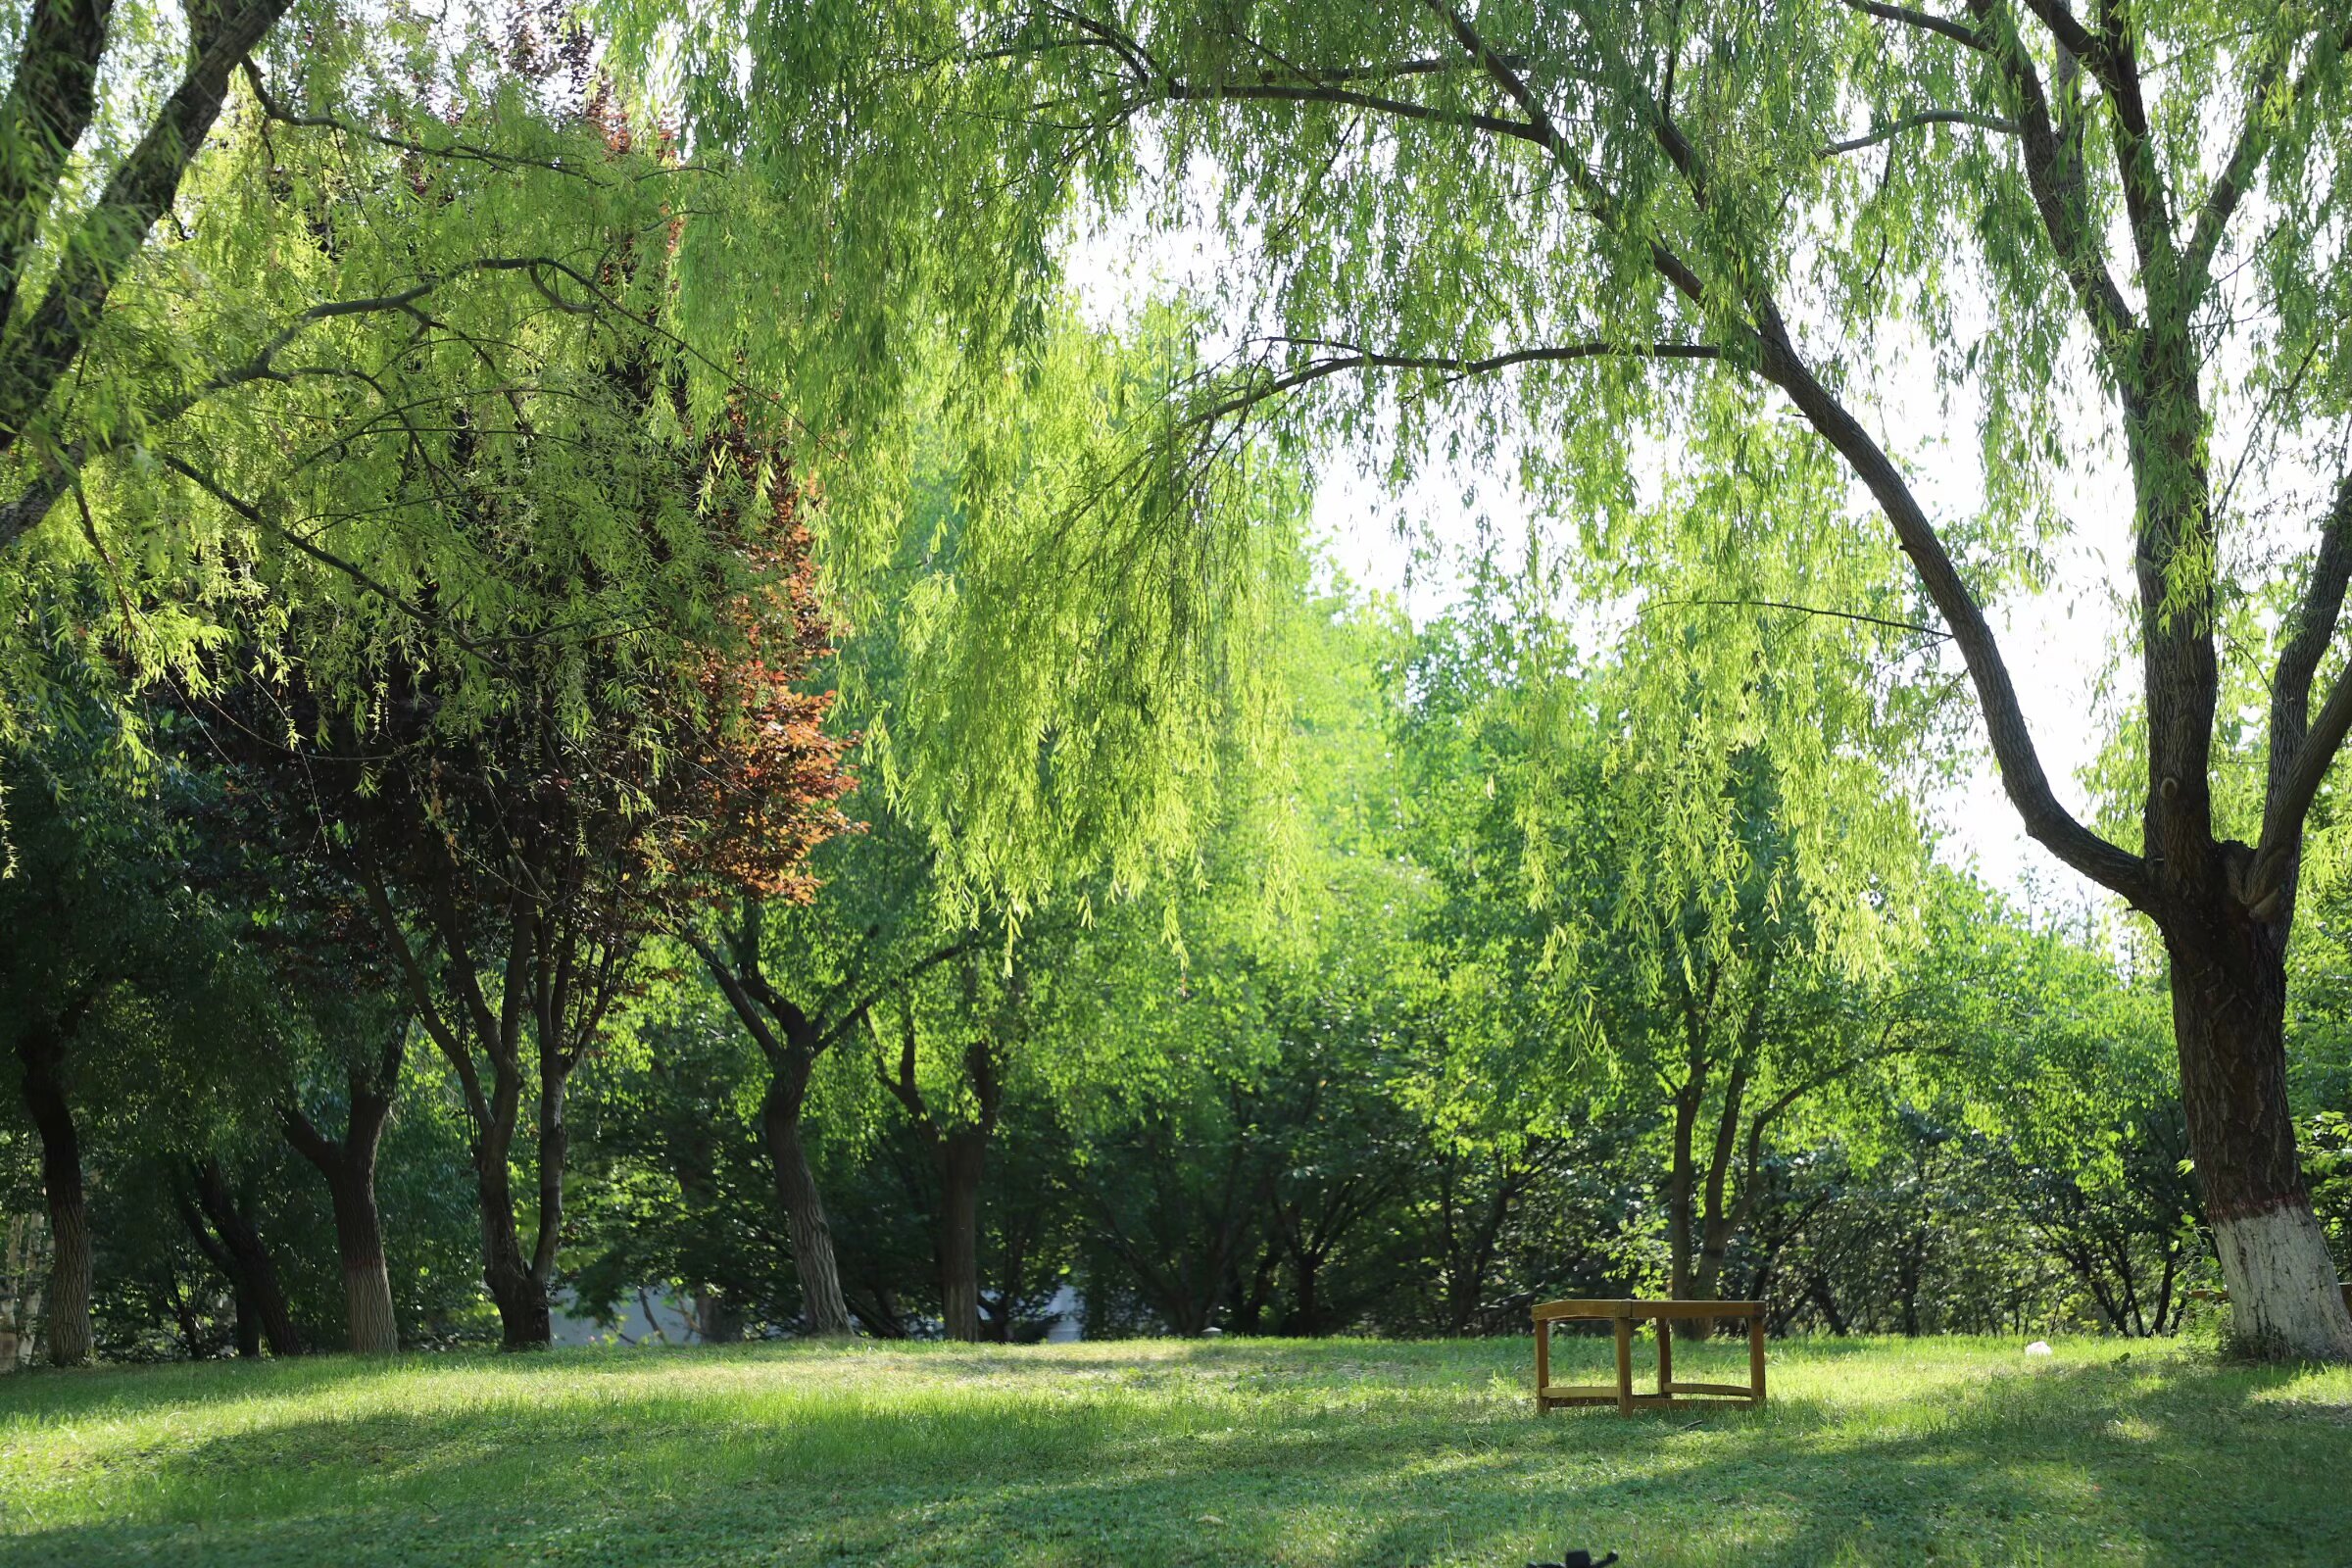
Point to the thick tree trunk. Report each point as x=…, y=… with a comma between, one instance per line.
x=68, y=1324
x=253, y=1273
x=962, y=1154
x=359, y=1241
x=349, y=1168
x=2229, y=979
x=524, y=1319
x=41, y=1054
x=821, y=1300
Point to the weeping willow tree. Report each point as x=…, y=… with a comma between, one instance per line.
x=1552, y=228
x=384, y=203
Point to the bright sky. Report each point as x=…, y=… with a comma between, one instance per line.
x=2056, y=644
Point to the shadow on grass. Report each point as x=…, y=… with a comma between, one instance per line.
x=2158, y=1459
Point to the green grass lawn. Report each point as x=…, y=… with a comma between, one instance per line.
x=1165, y=1453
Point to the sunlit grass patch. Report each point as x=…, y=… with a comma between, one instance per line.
x=1305, y=1455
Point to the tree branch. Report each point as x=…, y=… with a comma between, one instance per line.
x=1400, y=107
x=420, y=993
x=2146, y=202
x=50, y=101
x=839, y=1028
x=278, y=112
x=2022, y=777
x=325, y=558
x=2055, y=194
x=1937, y=632
x=2072, y=35
x=737, y=997
x=2255, y=137
x=1960, y=32
x=1457, y=367
x=35, y=355
x=1925, y=117
x=2302, y=752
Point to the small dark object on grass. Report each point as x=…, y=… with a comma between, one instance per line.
x=1578, y=1558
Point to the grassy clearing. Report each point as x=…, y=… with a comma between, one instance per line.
x=1165, y=1453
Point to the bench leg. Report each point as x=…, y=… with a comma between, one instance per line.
x=1755, y=1359
x=1665, y=1358
x=1625, y=1367
x=1543, y=1365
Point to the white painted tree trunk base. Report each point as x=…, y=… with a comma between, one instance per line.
x=2284, y=1301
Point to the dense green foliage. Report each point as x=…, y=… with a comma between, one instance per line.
x=1432, y=1029
x=615, y=694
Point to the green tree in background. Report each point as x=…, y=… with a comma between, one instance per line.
x=1561, y=225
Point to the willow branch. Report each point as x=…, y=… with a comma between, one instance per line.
x=1455, y=366
x=1960, y=32
x=1925, y=117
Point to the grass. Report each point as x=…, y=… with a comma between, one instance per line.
x=1337, y=1452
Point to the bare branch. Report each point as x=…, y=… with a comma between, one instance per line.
x=1925, y=117
x=2056, y=196
x=2300, y=752
x=1959, y=33
x=1457, y=367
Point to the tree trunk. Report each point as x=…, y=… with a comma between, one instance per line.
x=2229, y=980
x=1817, y=1289
x=717, y=1319
x=524, y=1319
x=1682, y=1184
x=349, y=1168
x=253, y=1273
x=812, y=1259
x=246, y=1322
x=359, y=1241
x=963, y=1153
x=42, y=1056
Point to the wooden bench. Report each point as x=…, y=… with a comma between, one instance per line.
x=1624, y=1314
